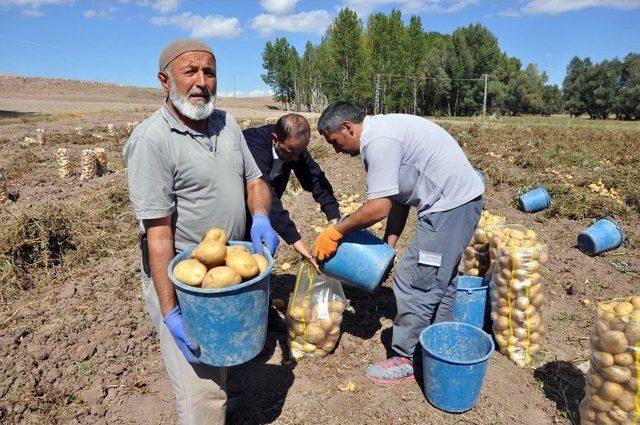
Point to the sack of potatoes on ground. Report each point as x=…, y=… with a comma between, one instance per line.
x=516, y=293
x=475, y=258
x=611, y=387
x=314, y=314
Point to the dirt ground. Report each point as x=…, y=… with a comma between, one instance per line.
x=76, y=345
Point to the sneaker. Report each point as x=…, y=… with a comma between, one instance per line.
x=391, y=371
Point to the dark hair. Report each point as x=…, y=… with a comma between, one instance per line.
x=337, y=113
x=293, y=125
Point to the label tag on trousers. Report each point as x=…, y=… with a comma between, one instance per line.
x=428, y=258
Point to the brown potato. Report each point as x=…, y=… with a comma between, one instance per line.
x=336, y=318
x=601, y=359
x=221, y=277
x=236, y=249
x=190, y=272
x=627, y=401
x=262, y=262
x=632, y=332
x=623, y=308
x=244, y=264
x=594, y=379
x=328, y=346
x=319, y=352
x=613, y=342
x=616, y=374
x=624, y=359
x=216, y=235
x=598, y=403
x=336, y=306
x=296, y=312
x=211, y=253
x=610, y=391
x=314, y=333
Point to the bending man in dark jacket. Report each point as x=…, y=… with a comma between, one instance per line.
x=279, y=149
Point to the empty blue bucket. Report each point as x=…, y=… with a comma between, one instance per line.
x=362, y=260
x=454, y=360
x=535, y=200
x=229, y=324
x=471, y=301
x=603, y=235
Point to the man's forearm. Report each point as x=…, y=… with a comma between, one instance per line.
x=160, y=246
x=258, y=197
x=371, y=212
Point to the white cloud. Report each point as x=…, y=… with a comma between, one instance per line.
x=278, y=7
x=165, y=6
x=554, y=7
x=242, y=93
x=32, y=7
x=548, y=55
x=210, y=26
x=315, y=21
x=105, y=12
x=509, y=13
x=365, y=7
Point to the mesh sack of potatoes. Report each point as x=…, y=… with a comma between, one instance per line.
x=516, y=294
x=611, y=391
x=314, y=314
x=62, y=160
x=475, y=258
x=101, y=161
x=4, y=191
x=89, y=164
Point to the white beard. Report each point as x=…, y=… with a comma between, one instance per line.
x=197, y=112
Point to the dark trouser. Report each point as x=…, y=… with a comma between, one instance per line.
x=425, y=293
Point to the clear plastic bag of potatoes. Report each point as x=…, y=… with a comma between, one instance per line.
x=475, y=258
x=611, y=391
x=314, y=313
x=517, y=298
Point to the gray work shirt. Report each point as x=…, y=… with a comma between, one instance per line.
x=416, y=162
x=196, y=178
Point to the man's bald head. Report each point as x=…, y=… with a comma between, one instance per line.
x=291, y=137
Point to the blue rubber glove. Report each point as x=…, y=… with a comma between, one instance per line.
x=175, y=324
x=261, y=231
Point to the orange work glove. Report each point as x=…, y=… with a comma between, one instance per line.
x=326, y=243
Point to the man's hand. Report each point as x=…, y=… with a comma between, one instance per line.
x=175, y=324
x=327, y=243
x=303, y=250
x=261, y=231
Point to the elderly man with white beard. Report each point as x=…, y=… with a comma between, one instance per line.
x=189, y=170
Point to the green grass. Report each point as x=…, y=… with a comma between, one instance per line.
x=36, y=118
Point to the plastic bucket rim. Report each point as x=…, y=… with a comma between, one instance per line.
x=454, y=361
x=586, y=234
x=610, y=219
x=197, y=290
x=483, y=286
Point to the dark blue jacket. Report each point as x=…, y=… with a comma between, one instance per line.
x=308, y=172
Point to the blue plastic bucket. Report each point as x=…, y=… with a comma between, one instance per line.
x=471, y=301
x=454, y=360
x=229, y=324
x=480, y=175
x=535, y=200
x=362, y=260
x=603, y=235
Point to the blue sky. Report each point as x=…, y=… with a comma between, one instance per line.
x=119, y=40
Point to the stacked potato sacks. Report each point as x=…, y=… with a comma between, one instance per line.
x=40, y=136
x=612, y=381
x=101, y=160
x=111, y=129
x=64, y=166
x=516, y=292
x=314, y=314
x=475, y=258
x=4, y=191
x=89, y=166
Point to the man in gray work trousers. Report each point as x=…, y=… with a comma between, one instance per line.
x=189, y=170
x=410, y=162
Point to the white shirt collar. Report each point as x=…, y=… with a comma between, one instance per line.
x=275, y=154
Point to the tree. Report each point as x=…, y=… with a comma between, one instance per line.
x=627, y=102
x=574, y=85
x=280, y=61
x=551, y=100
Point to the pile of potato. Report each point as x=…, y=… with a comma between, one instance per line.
x=62, y=160
x=475, y=258
x=101, y=161
x=612, y=381
x=4, y=191
x=516, y=292
x=349, y=203
x=215, y=265
x=314, y=325
x=41, y=136
x=89, y=166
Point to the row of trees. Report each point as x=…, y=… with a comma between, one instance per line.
x=415, y=71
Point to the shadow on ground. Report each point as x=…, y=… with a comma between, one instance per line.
x=562, y=383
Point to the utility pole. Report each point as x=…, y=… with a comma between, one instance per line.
x=376, y=108
x=484, y=102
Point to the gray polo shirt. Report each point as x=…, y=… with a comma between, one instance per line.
x=416, y=162
x=198, y=179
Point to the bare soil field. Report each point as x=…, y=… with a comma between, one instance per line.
x=76, y=345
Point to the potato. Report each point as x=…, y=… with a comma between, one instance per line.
x=624, y=359
x=319, y=352
x=616, y=374
x=295, y=345
x=594, y=379
x=308, y=348
x=336, y=306
x=627, y=401
x=221, y=277
x=502, y=323
x=635, y=301
x=601, y=359
x=211, y=253
x=190, y=272
x=610, y=391
x=244, y=264
x=298, y=327
x=602, y=418
x=218, y=235
x=297, y=312
x=632, y=332
x=262, y=262
x=623, y=308
x=335, y=330
x=598, y=403
x=314, y=333
x=336, y=318
x=613, y=342
x=325, y=324
x=618, y=415
x=236, y=249
x=328, y=345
